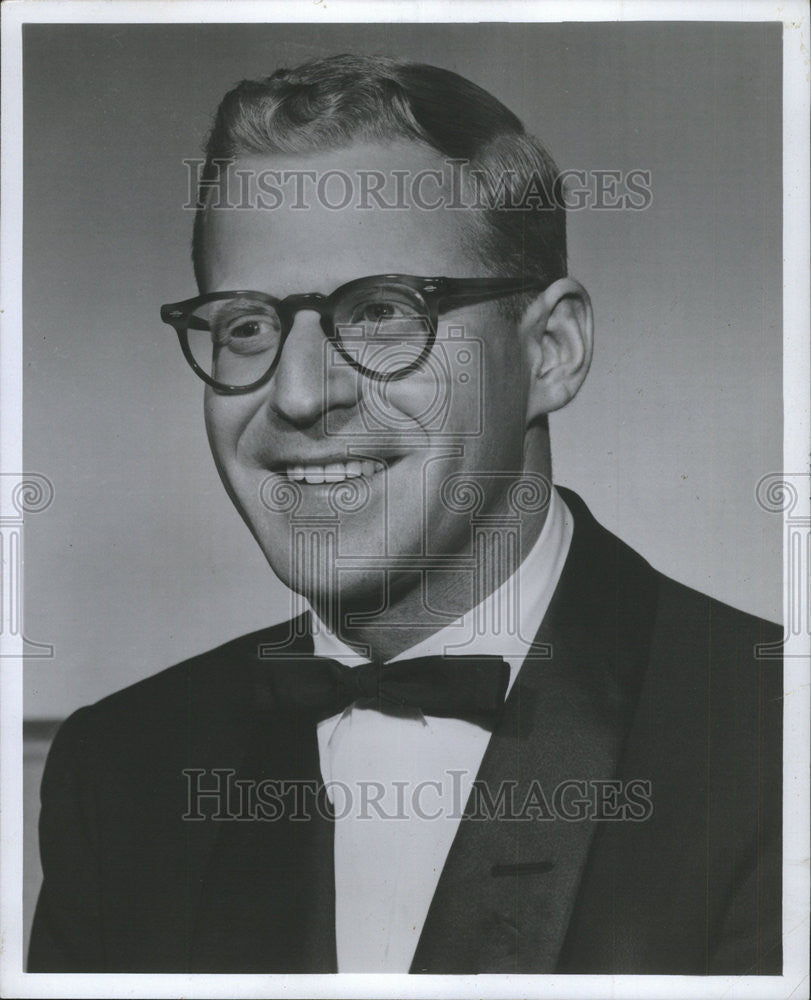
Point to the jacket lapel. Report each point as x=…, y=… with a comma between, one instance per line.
x=507, y=890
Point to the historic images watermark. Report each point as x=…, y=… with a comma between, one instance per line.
x=779, y=493
x=21, y=494
x=434, y=416
x=218, y=794
x=458, y=185
x=316, y=547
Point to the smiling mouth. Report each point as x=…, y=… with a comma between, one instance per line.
x=333, y=472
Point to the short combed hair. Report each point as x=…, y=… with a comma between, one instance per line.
x=333, y=102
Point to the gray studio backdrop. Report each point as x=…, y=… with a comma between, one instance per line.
x=141, y=561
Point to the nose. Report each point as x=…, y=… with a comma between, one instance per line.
x=311, y=378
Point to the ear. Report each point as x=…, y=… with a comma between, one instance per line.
x=557, y=331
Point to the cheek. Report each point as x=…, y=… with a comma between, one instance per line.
x=225, y=419
x=496, y=366
x=501, y=445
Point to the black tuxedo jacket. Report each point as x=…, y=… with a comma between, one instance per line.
x=632, y=676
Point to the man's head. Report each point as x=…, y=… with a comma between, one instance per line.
x=394, y=452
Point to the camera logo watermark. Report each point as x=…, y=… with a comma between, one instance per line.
x=446, y=397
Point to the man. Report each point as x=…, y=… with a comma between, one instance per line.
x=494, y=739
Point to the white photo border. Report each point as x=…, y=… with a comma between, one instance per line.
x=797, y=432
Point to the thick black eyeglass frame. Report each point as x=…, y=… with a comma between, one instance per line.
x=437, y=294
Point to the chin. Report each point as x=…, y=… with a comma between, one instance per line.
x=317, y=559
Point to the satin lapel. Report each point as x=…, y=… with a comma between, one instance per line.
x=267, y=903
x=508, y=887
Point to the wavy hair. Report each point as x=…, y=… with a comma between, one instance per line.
x=333, y=102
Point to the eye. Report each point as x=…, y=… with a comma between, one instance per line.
x=251, y=328
x=380, y=310
x=244, y=332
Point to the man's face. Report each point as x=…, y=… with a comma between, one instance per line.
x=387, y=450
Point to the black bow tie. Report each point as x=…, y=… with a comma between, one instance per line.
x=464, y=687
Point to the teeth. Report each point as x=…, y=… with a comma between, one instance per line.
x=334, y=472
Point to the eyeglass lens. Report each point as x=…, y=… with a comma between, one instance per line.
x=384, y=328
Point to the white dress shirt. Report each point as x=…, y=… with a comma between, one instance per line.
x=399, y=784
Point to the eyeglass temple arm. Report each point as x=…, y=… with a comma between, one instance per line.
x=481, y=293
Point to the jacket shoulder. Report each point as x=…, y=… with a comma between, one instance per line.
x=688, y=614
x=191, y=700
x=713, y=684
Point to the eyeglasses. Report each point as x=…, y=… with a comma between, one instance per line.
x=384, y=326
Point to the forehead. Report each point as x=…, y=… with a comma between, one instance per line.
x=289, y=232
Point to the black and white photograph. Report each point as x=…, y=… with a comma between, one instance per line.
x=404, y=500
